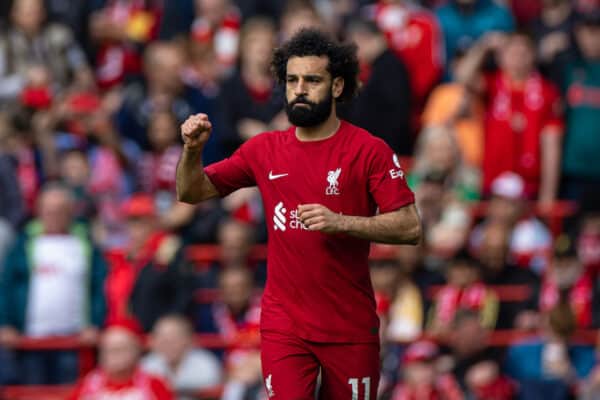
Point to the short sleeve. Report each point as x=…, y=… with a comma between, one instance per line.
x=554, y=109
x=387, y=179
x=233, y=173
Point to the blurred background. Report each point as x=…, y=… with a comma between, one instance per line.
x=492, y=106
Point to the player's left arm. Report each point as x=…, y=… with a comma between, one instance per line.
x=401, y=226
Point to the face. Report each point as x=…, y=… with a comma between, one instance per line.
x=213, y=10
x=171, y=339
x=310, y=91
x=119, y=352
x=139, y=230
x=587, y=39
x=236, y=289
x=461, y=274
x=235, y=241
x=504, y=210
x=516, y=58
x=292, y=23
x=257, y=46
x=419, y=374
x=439, y=152
x=74, y=169
x=468, y=337
x=494, y=248
x=28, y=15
x=54, y=211
x=565, y=271
x=162, y=131
x=163, y=68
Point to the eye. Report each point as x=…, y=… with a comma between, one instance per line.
x=291, y=79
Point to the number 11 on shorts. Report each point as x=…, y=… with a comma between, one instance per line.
x=366, y=381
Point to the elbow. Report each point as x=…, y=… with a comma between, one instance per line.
x=184, y=196
x=414, y=234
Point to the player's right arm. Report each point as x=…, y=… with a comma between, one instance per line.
x=193, y=185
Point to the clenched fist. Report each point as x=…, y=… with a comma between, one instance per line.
x=195, y=131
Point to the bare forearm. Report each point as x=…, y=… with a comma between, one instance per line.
x=467, y=69
x=551, y=145
x=193, y=185
x=400, y=227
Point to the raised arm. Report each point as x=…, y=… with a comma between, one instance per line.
x=402, y=226
x=193, y=185
x=469, y=66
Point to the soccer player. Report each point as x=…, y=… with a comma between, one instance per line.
x=322, y=182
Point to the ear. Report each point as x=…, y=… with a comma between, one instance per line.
x=337, y=87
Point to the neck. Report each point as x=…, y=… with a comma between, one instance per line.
x=319, y=132
x=121, y=376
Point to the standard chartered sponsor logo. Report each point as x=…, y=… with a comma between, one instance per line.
x=279, y=216
x=280, y=219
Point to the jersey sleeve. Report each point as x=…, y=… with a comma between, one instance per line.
x=554, y=112
x=387, y=180
x=235, y=172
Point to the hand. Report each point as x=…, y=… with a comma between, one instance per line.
x=89, y=336
x=494, y=40
x=9, y=336
x=317, y=217
x=195, y=131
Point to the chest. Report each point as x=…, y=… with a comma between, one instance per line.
x=330, y=176
x=59, y=256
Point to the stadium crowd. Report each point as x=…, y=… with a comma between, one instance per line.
x=492, y=106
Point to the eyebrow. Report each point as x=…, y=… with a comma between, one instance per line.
x=307, y=76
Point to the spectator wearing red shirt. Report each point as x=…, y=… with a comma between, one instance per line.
x=523, y=122
x=414, y=35
x=121, y=29
x=118, y=376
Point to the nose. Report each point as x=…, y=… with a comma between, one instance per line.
x=300, y=88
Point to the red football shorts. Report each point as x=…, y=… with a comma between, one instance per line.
x=291, y=366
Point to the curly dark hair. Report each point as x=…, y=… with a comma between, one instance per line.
x=313, y=42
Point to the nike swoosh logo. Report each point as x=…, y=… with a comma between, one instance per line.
x=272, y=177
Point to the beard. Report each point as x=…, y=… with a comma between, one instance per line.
x=311, y=113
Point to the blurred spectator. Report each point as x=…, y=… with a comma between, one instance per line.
x=236, y=318
x=553, y=34
x=523, y=129
x=38, y=59
x=177, y=19
x=464, y=22
x=567, y=276
x=119, y=376
x=493, y=254
x=75, y=174
x=148, y=278
x=581, y=86
x=459, y=109
x=298, y=14
x=469, y=358
x=156, y=170
x=437, y=152
x=464, y=290
x=420, y=377
x=52, y=285
x=383, y=103
x=406, y=313
x=162, y=88
x=251, y=103
x=548, y=366
x=413, y=33
x=174, y=357
x=120, y=30
x=588, y=240
x=530, y=239
x=11, y=202
x=522, y=103
x=218, y=22
x=76, y=15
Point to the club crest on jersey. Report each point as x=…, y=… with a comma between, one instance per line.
x=332, y=179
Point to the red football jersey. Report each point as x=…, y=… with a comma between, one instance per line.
x=515, y=120
x=318, y=285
